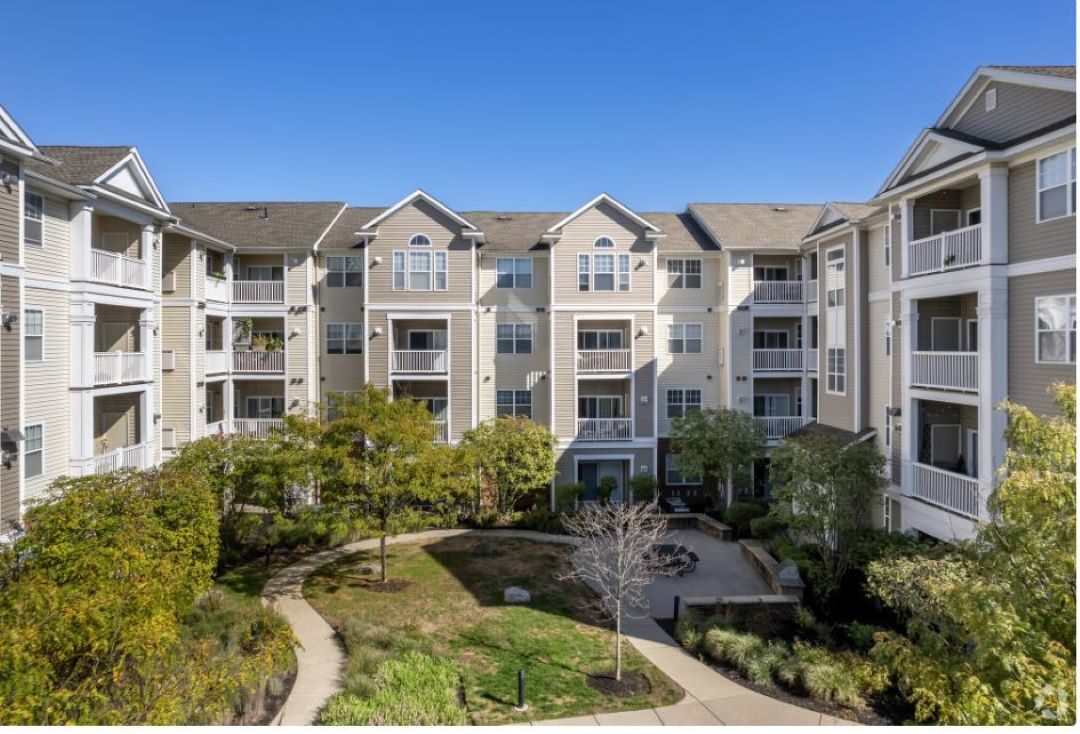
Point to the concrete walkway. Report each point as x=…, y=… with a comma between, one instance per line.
x=710, y=697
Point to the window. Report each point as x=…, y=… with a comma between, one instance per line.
x=265, y=406
x=513, y=272
x=419, y=240
x=770, y=273
x=603, y=272
x=886, y=512
x=513, y=338
x=426, y=271
x=770, y=340
x=513, y=402
x=344, y=272
x=888, y=427
x=33, y=211
x=33, y=451
x=600, y=406
x=1055, y=329
x=681, y=401
x=886, y=239
x=684, y=273
x=624, y=272
x=798, y=335
x=672, y=475
x=399, y=271
x=440, y=270
x=684, y=338
x=944, y=220
x=344, y=338
x=599, y=340
x=1056, y=186
x=604, y=243
x=419, y=271
x=972, y=217
x=583, y=272
x=811, y=265
x=336, y=399
x=266, y=272
x=836, y=370
x=834, y=277
x=34, y=335
x=772, y=405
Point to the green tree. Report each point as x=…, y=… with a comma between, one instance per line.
x=990, y=634
x=721, y=442
x=824, y=487
x=515, y=456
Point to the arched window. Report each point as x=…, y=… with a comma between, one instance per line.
x=419, y=240
x=604, y=243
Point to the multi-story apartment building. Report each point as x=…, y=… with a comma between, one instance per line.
x=132, y=326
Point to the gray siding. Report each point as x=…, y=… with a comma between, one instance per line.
x=9, y=216
x=1028, y=239
x=1020, y=110
x=1028, y=381
x=10, y=367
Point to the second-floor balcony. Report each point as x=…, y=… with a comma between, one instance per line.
x=117, y=368
x=419, y=361
x=946, y=370
x=778, y=360
x=217, y=289
x=116, y=269
x=257, y=427
x=258, y=291
x=812, y=360
x=779, y=426
x=958, y=248
x=951, y=490
x=217, y=361
x=778, y=291
x=258, y=361
x=129, y=457
x=603, y=360
x=605, y=429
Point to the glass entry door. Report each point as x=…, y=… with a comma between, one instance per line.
x=591, y=473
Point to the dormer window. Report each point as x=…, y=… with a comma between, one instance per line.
x=604, y=243
x=419, y=240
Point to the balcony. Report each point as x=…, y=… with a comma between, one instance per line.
x=217, y=289
x=778, y=291
x=959, y=248
x=215, y=428
x=603, y=360
x=256, y=361
x=117, y=368
x=946, y=370
x=419, y=361
x=217, y=361
x=257, y=427
x=116, y=269
x=442, y=432
x=778, y=360
x=956, y=492
x=258, y=291
x=777, y=427
x=605, y=429
x=811, y=291
x=129, y=457
x=812, y=360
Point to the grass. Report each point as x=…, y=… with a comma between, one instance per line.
x=453, y=608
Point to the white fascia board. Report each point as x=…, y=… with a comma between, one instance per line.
x=12, y=130
x=315, y=247
x=59, y=188
x=421, y=194
x=606, y=198
x=195, y=234
x=106, y=194
x=142, y=171
x=985, y=74
x=925, y=138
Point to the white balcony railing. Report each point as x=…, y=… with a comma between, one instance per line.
x=778, y=359
x=257, y=427
x=603, y=360
x=605, y=429
x=956, y=249
x=217, y=361
x=419, y=360
x=116, y=269
x=812, y=360
x=129, y=457
x=778, y=291
x=116, y=368
x=258, y=291
x=956, y=492
x=776, y=427
x=811, y=291
x=946, y=370
x=254, y=361
x=442, y=433
x=217, y=289
x=216, y=428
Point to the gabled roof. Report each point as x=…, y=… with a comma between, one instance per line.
x=13, y=138
x=343, y=233
x=514, y=230
x=777, y=226
x=1062, y=72
x=1061, y=78
x=683, y=233
x=414, y=196
x=603, y=198
x=118, y=170
x=262, y=224
x=836, y=213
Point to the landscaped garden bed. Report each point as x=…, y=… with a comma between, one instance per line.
x=450, y=623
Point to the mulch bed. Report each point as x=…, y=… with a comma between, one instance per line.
x=390, y=586
x=632, y=683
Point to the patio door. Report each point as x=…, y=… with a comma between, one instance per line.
x=427, y=339
x=945, y=334
x=944, y=446
x=972, y=455
x=771, y=405
x=600, y=406
x=437, y=408
x=592, y=473
x=265, y=406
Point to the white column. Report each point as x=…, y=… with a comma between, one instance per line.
x=993, y=309
x=146, y=249
x=83, y=317
x=81, y=436
x=907, y=224
x=148, y=423
x=907, y=342
x=81, y=230
x=994, y=202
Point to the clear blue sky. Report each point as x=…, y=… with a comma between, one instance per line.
x=512, y=105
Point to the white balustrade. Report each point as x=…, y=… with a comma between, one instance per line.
x=217, y=289
x=956, y=249
x=419, y=360
x=129, y=457
x=777, y=427
x=259, y=291
x=216, y=428
x=115, y=368
x=217, y=361
x=956, y=492
x=778, y=359
x=605, y=429
x=812, y=360
x=946, y=370
x=778, y=291
x=116, y=269
x=811, y=291
x=255, y=361
x=603, y=360
x=257, y=427
x=442, y=433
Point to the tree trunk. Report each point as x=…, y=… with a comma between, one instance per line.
x=618, y=642
x=382, y=555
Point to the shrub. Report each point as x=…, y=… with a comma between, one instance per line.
x=860, y=635
x=607, y=487
x=565, y=494
x=643, y=487
x=767, y=527
x=761, y=667
x=739, y=515
x=542, y=521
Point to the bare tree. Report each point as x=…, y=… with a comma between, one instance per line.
x=617, y=557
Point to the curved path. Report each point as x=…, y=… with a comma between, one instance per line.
x=710, y=697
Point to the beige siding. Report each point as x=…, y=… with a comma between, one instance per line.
x=297, y=355
x=116, y=423
x=178, y=260
x=838, y=410
x=565, y=425
x=103, y=225
x=1020, y=110
x=10, y=368
x=339, y=304
x=176, y=384
x=1028, y=381
x=897, y=384
x=533, y=297
x=515, y=371
x=879, y=388
x=699, y=371
x=9, y=216
x=1028, y=239
x=878, y=275
x=461, y=373
x=707, y=295
x=578, y=237
x=44, y=402
x=52, y=257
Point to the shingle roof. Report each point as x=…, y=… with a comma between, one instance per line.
x=343, y=234
x=79, y=164
x=281, y=224
x=683, y=233
x=514, y=230
x=757, y=225
x=854, y=211
x=1065, y=72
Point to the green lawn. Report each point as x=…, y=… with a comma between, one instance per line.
x=453, y=608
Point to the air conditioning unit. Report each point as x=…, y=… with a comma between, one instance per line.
x=168, y=438
x=168, y=283
x=168, y=359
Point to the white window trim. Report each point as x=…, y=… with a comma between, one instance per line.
x=514, y=274
x=669, y=466
x=618, y=258
x=620, y=400
x=968, y=213
x=344, y=273
x=683, y=403
x=959, y=219
x=514, y=404
x=683, y=338
x=41, y=451
x=843, y=275
x=344, y=339
x=1038, y=331
x=514, y=339
x=1070, y=181
x=433, y=271
x=886, y=437
x=29, y=243
x=683, y=261
x=412, y=240
x=828, y=371
x=886, y=244
x=40, y=336
x=598, y=332
x=596, y=243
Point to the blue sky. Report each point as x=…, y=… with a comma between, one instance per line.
x=513, y=105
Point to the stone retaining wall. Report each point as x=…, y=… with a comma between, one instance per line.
x=698, y=521
x=782, y=578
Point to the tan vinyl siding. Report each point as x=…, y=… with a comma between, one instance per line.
x=339, y=305
x=564, y=375
x=897, y=383
x=296, y=363
x=178, y=260
x=578, y=237
x=515, y=371
x=838, y=410
x=103, y=225
x=698, y=371
x=43, y=401
x=1028, y=381
x=565, y=461
x=10, y=399
x=1020, y=110
x=52, y=258
x=1028, y=239
x=877, y=273
x=711, y=276
x=176, y=384
x=10, y=213
x=461, y=373
x=378, y=346
x=116, y=423
x=533, y=297
x=879, y=388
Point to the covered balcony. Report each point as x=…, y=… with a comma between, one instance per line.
x=214, y=409
x=945, y=472
x=778, y=345
x=259, y=345
x=119, y=355
x=119, y=253
x=419, y=347
x=777, y=279
x=435, y=397
x=258, y=407
x=603, y=411
x=947, y=357
x=217, y=281
x=946, y=230
x=118, y=440
x=258, y=279
x=603, y=347
x=778, y=407
x=217, y=359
